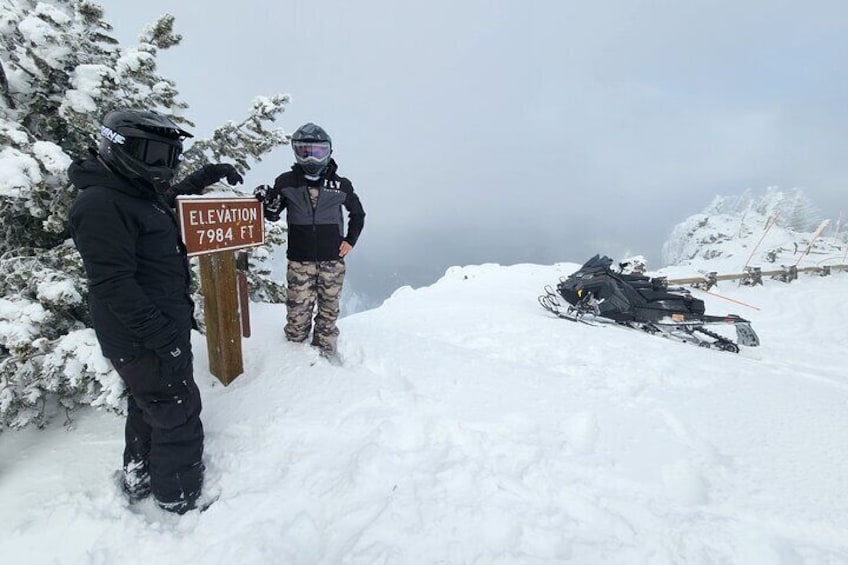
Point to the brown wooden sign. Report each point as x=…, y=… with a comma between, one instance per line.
x=209, y=225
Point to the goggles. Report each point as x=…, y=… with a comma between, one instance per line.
x=153, y=153
x=308, y=150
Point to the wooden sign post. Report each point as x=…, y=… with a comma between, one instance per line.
x=213, y=228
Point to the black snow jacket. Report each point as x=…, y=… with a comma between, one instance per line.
x=315, y=234
x=137, y=268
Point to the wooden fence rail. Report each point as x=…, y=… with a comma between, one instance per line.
x=752, y=272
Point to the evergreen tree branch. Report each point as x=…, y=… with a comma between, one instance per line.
x=4, y=86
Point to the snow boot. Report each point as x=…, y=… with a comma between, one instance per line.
x=135, y=482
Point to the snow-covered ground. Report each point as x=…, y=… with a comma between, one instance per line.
x=470, y=426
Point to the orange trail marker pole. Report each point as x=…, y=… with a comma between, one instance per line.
x=730, y=299
x=816, y=235
x=769, y=223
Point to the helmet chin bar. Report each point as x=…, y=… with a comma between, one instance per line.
x=313, y=168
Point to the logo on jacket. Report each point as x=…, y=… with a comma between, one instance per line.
x=333, y=184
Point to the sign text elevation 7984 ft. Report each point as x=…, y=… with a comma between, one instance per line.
x=209, y=225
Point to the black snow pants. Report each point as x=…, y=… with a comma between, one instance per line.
x=164, y=435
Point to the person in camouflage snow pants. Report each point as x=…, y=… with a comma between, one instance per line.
x=310, y=283
x=313, y=195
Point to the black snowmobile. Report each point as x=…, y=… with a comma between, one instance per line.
x=595, y=294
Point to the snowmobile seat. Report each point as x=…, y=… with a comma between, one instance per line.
x=655, y=295
x=664, y=300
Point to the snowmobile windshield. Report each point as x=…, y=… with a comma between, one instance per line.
x=312, y=150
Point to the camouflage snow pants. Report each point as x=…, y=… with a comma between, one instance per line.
x=311, y=283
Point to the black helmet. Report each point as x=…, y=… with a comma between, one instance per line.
x=312, y=148
x=142, y=145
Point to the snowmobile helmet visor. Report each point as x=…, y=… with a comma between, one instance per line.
x=154, y=153
x=317, y=151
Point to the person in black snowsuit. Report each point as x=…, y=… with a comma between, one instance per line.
x=124, y=228
x=313, y=195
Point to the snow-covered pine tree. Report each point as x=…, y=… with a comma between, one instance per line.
x=800, y=213
x=60, y=72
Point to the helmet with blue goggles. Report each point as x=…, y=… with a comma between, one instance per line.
x=312, y=148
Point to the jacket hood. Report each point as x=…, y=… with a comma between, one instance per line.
x=90, y=171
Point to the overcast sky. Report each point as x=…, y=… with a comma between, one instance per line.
x=527, y=131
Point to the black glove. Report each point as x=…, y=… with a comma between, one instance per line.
x=207, y=176
x=176, y=356
x=272, y=200
x=223, y=170
x=260, y=192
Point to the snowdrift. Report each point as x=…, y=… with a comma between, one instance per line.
x=470, y=426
